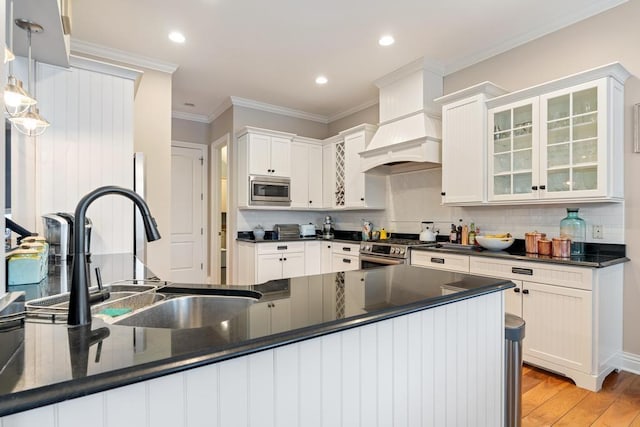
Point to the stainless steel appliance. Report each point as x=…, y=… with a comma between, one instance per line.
x=58, y=230
x=269, y=191
x=388, y=252
x=307, y=230
x=327, y=228
x=287, y=231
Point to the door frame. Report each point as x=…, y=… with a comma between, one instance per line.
x=204, y=152
x=215, y=177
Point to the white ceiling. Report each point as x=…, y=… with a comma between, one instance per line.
x=271, y=51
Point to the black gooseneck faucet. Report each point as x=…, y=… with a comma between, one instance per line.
x=79, y=309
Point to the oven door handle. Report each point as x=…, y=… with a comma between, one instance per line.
x=381, y=260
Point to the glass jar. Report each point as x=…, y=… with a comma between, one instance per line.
x=573, y=227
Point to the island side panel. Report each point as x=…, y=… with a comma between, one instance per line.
x=440, y=366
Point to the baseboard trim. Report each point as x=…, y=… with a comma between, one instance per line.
x=631, y=362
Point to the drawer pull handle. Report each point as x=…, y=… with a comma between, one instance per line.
x=282, y=248
x=437, y=260
x=525, y=291
x=516, y=290
x=518, y=270
x=346, y=249
x=347, y=260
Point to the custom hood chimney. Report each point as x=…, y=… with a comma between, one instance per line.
x=410, y=130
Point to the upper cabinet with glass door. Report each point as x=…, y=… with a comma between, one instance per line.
x=562, y=140
x=513, y=156
x=573, y=149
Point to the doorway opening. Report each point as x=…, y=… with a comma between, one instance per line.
x=220, y=205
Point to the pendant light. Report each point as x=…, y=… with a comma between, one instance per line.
x=16, y=99
x=30, y=122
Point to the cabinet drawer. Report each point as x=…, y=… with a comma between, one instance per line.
x=277, y=247
x=346, y=249
x=341, y=262
x=440, y=261
x=551, y=274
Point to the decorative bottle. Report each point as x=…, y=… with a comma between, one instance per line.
x=574, y=228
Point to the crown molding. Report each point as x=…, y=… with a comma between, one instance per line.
x=224, y=106
x=276, y=109
x=551, y=26
x=190, y=116
x=353, y=110
x=104, y=67
x=87, y=48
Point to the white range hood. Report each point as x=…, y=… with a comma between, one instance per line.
x=410, y=131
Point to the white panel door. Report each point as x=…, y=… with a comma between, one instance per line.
x=187, y=238
x=315, y=177
x=280, y=156
x=259, y=155
x=299, y=175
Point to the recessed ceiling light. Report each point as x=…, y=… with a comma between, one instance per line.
x=321, y=80
x=386, y=40
x=176, y=37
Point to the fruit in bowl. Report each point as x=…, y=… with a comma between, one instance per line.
x=495, y=242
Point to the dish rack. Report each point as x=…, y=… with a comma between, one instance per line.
x=129, y=294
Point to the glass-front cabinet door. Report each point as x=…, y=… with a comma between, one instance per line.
x=573, y=142
x=513, y=151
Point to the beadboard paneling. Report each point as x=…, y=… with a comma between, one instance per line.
x=89, y=144
x=437, y=367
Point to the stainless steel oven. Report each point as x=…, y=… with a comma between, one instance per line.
x=387, y=252
x=269, y=191
x=372, y=261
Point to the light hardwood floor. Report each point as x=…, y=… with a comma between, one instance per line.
x=553, y=400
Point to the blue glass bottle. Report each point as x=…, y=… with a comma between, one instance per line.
x=575, y=229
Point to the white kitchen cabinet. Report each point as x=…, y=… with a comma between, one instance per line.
x=329, y=173
x=440, y=260
x=561, y=140
x=572, y=314
x=326, y=257
x=261, y=152
x=312, y=258
x=345, y=256
x=269, y=155
x=355, y=189
x=306, y=173
x=464, y=153
x=269, y=317
x=261, y=262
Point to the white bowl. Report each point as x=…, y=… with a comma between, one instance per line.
x=495, y=243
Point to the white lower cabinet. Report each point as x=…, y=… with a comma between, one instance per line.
x=345, y=256
x=440, y=261
x=261, y=262
x=326, y=257
x=269, y=317
x=573, y=315
x=573, y=319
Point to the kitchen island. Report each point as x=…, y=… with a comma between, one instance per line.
x=390, y=345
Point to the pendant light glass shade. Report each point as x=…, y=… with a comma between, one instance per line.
x=30, y=123
x=8, y=55
x=16, y=99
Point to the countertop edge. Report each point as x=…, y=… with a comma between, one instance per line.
x=512, y=257
x=71, y=389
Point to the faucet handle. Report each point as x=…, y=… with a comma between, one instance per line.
x=99, y=278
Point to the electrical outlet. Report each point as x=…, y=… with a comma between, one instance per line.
x=597, y=232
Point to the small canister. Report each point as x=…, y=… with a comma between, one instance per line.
x=561, y=247
x=531, y=241
x=544, y=247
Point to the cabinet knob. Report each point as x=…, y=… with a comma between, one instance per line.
x=443, y=194
x=534, y=188
x=285, y=259
x=310, y=201
x=516, y=290
x=543, y=187
x=362, y=199
x=525, y=291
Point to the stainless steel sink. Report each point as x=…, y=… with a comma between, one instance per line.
x=190, y=311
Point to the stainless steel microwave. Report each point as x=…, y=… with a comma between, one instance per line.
x=269, y=191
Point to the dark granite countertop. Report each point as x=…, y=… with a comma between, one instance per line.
x=270, y=237
x=596, y=256
x=51, y=362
